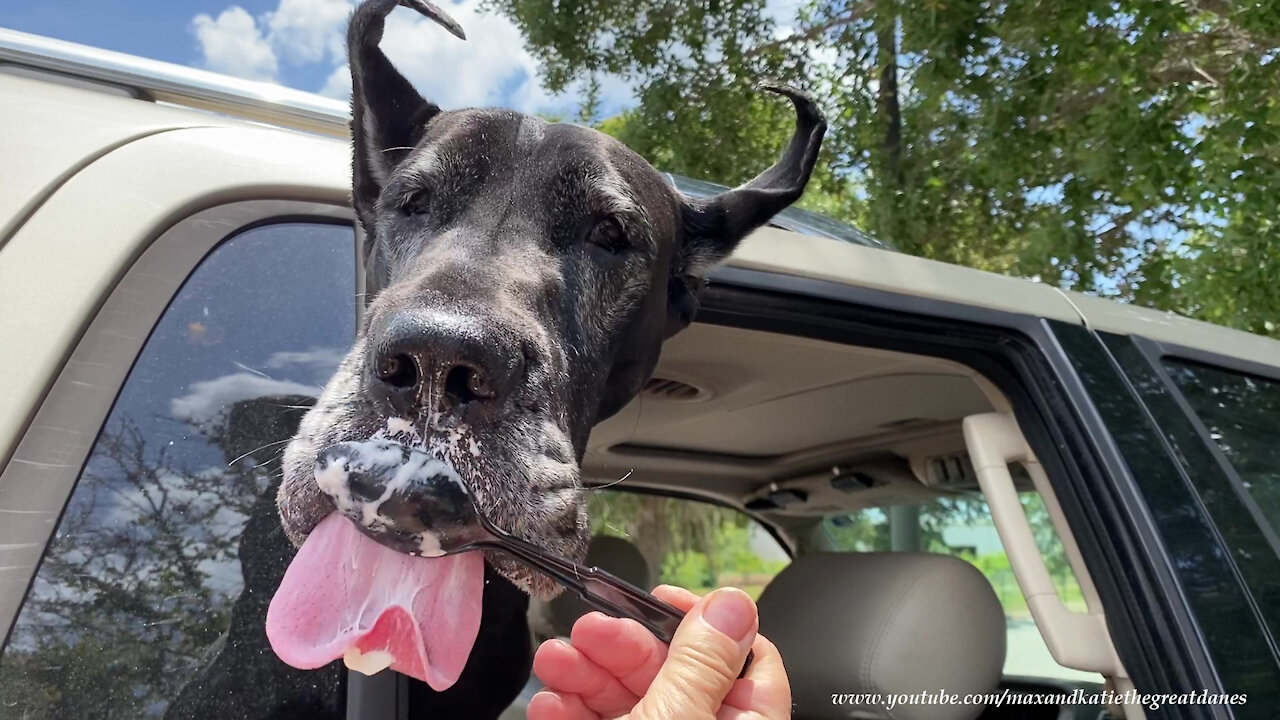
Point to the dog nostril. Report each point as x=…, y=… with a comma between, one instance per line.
x=479, y=385
x=398, y=371
x=466, y=384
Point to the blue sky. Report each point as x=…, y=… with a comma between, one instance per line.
x=298, y=43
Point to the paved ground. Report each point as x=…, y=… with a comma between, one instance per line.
x=1028, y=656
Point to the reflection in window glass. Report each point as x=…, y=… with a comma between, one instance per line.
x=150, y=602
x=1242, y=414
x=962, y=526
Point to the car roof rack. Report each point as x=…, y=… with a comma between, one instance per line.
x=170, y=83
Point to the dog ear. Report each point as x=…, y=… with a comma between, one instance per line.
x=714, y=226
x=388, y=116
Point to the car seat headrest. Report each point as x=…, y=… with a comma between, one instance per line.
x=886, y=623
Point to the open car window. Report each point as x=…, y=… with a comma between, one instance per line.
x=154, y=590
x=693, y=544
x=961, y=526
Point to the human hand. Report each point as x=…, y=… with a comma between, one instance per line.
x=614, y=668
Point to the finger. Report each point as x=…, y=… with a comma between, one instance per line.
x=705, y=658
x=624, y=648
x=765, y=690
x=564, y=669
x=677, y=596
x=551, y=705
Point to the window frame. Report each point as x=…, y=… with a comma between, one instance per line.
x=1169, y=461
x=48, y=460
x=1208, y=467
x=1153, y=627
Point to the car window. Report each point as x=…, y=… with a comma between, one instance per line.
x=1242, y=414
x=649, y=539
x=696, y=545
x=150, y=601
x=961, y=526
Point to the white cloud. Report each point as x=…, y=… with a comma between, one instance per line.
x=491, y=68
x=209, y=400
x=326, y=359
x=233, y=44
x=339, y=83
x=307, y=31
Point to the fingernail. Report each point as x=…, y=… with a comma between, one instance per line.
x=730, y=611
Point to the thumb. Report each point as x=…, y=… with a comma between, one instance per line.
x=705, y=658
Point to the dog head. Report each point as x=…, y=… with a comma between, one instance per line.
x=523, y=275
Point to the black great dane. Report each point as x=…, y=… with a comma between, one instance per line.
x=523, y=276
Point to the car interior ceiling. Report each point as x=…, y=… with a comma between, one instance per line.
x=795, y=430
x=767, y=422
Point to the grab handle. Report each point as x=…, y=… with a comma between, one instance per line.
x=1076, y=640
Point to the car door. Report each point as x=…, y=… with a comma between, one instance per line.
x=1151, y=551
x=1200, y=435
x=144, y=484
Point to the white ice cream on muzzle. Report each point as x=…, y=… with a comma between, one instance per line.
x=371, y=584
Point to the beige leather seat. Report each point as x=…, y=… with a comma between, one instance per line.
x=886, y=623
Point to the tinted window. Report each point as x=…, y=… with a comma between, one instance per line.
x=1242, y=414
x=151, y=599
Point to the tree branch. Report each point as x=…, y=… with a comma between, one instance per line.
x=810, y=33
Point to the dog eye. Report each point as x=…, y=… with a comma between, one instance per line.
x=416, y=203
x=609, y=235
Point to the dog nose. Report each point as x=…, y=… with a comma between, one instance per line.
x=440, y=363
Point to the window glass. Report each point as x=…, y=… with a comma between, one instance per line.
x=150, y=601
x=961, y=526
x=1242, y=414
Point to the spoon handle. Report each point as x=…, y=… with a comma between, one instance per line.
x=618, y=598
x=614, y=596
x=605, y=592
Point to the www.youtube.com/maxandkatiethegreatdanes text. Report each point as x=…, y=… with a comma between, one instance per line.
x=1008, y=697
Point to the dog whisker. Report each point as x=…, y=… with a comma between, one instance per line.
x=277, y=442
x=639, y=411
x=606, y=486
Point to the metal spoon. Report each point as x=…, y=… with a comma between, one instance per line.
x=422, y=507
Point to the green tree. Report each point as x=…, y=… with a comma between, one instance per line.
x=685, y=542
x=1127, y=148
x=126, y=605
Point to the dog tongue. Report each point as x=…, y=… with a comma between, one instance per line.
x=346, y=596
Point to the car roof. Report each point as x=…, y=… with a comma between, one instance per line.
x=129, y=98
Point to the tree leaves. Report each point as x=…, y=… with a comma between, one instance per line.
x=1128, y=148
